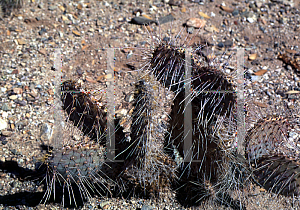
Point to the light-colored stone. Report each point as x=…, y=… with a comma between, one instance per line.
x=3, y=124
x=196, y=22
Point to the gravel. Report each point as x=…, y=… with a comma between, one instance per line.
x=85, y=29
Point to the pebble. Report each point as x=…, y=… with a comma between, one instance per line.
x=13, y=97
x=6, y=133
x=3, y=124
x=104, y=204
x=21, y=41
x=228, y=43
x=196, y=22
x=142, y=21
x=252, y=56
x=211, y=29
x=250, y=20
x=38, y=86
x=221, y=45
x=227, y=9
x=42, y=31
x=235, y=12
x=5, y=107
x=76, y=33
x=202, y=14
x=166, y=19
x=190, y=30
x=51, y=8
x=21, y=103
x=146, y=207
x=260, y=72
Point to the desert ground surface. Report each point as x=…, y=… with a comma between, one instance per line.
x=83, y=31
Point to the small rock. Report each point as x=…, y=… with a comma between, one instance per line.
x=260, y=72
x=291, y=51
x=250, y=20
x=51, y=8
x=6, y=133
x=196, y=22
x=79, y=6
x=166, y=19
x=203, y=15
x=76, y=33
x=220, y=45
x=262, y=28
x=252, y=56
x=251, y=5
x=255, y=62
x=21, y=103
x=88, y=79
x=42, y=31
x=227, y=9
x=129, y=97
x=3, y=124
x=129, y=55
x=260, y=104
x=174, y=3
x=258, y=3
x=211, y=29
x=235, y=12
x=190, y=30
x=103, y=204
x=62, y=8
x=45, y=131
x=228, y=43
x=146, y=207
x=16, y=71
x=293, y=92
x=21, y=41
x=13, y=97
x=38, y=86
x=5, y=107
x=13, y=28
x=18, y=90
x=282, y=20
x=142, y=21
x=43, y=51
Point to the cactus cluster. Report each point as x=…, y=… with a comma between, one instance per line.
x=7, y=6
x=155, y=157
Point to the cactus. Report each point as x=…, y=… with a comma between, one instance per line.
x=9, y=5
x=272, y=151
x=212, y=102
x=147, y=167
x=85, y=112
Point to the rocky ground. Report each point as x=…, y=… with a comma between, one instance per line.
x=85, y=29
